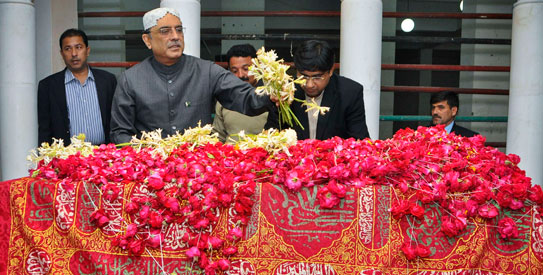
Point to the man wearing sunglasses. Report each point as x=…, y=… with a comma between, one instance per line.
x=173, y=91
x=314, y=61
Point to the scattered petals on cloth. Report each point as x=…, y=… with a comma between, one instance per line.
x=190, y=184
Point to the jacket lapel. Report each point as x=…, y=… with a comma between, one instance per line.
x=59, y=91
x=328, y=100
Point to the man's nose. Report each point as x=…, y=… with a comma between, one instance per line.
x=175, y=35
x=74, y=52
x=240, y=74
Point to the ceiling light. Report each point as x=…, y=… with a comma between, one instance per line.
x=408, y=25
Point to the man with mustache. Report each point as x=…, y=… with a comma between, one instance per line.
x=174, y=91
x=444, y=109
x=77, y=99
x=228, y=123
x=314, y=61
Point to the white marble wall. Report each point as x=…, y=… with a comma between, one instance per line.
x=489, y=55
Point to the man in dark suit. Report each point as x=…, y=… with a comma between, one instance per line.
x=314, y=61
x=444, y=109
x=77, y=99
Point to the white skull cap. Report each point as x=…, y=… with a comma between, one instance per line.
x=151, y=17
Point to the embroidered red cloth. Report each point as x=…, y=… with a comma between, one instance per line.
x=46, y=230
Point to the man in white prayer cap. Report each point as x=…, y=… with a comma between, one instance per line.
x=174, y=91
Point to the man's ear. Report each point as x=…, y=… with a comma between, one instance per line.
x=454, y=110
x=147, y=40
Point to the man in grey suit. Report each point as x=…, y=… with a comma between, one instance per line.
x=174, y=91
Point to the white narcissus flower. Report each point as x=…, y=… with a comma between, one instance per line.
x=271, y=140
x=47, y=152
x=311, y=105
x=161, y=146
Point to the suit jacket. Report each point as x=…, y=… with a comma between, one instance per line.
x=461, y=131
x=53, y=121
x=346, y=117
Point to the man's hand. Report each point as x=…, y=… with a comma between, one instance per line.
x=274, y=99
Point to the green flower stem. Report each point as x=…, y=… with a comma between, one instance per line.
x=286, y=115
x=123, y=144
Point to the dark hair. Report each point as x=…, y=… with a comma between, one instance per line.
x=241, y=50
x=450, y=97
x=314, y=55
x=73, y=32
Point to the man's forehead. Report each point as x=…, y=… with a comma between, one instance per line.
x=311, y=73
x=240, y=60
x=72, y=40
x=441, y=103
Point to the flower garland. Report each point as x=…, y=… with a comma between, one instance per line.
x=190, y=185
